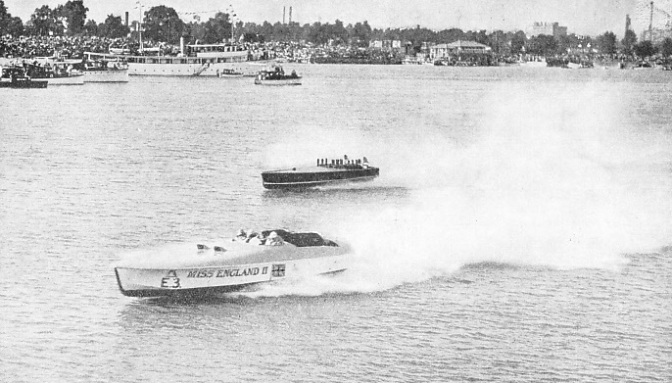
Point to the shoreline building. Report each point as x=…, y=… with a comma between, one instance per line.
x=461, y=52
x=550, y=29
x=444, y=50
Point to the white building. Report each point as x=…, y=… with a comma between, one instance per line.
x=440, y=51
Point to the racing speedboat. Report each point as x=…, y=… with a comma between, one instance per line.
x=230, y=265
x=322, y=174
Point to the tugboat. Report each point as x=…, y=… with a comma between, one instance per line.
x=276, y=76
x=326, y=172
x=15, y=77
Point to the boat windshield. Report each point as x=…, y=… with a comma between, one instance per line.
x=301, y=239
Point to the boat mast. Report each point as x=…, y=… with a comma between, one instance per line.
x=139, y=6
x=232, y=16
x=651, y=24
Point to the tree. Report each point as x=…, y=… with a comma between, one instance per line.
x=629, y=41
x=113, y=27
x=607, y=43
x=74, y=15
x=481, y=37
x=218, y=28
x=517, y=42
x=9, y=25
x=497, y=41
x=450, y=35
x=339, y=33
x=4, y=18
x=317, y=33
x=91, y=28
x=163, y=24
x=14, y=27
x=666, y=47
x=645, y=49
x=541, y=45
x=44, y=23
x=194, y=31
x=252, y=38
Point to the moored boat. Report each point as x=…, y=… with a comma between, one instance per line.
x=57, y=72
x=15, y=77
x=534, y=63
x=229, y=73
x=326, y=172
x=104, y=68
x=276, y=76
x=229, y=265
x=203, y=60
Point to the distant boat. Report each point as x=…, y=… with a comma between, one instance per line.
x=202, y=60
x=56, y=71
x=98, y=67
x=534, y=64
x=324, y=173
x=229, y=73
x=276, y=76
x=15, y=77
x=412, y=60
x=643, y=65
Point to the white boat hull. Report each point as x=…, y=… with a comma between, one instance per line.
x=293, y=81
x=196, y=281
x=534, y=64
x=70, y=80
x=111, y=76
x=247, y=68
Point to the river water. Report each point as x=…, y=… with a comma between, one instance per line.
x=520, y=230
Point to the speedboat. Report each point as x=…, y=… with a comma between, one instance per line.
x=248, y=259
x=326, y=172
x=276, y=76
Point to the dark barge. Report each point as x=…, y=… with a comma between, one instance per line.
x=324, y=173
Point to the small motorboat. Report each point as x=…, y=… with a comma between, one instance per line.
x=229, y=265
x=15, y=77
x=276, y=76
x=326, y=172
x=229, y=73
x=57, y=72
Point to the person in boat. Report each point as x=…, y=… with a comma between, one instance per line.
x=274, y=240
x=251, y=236
x=241, y=235
x=254, y=238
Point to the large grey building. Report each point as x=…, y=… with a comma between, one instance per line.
x=550, y=29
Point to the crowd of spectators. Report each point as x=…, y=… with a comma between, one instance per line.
x=62, y=46
x=74, y=48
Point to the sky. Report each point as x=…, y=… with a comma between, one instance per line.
x=589, y=17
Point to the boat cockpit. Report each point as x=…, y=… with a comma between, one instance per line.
x=300, y=239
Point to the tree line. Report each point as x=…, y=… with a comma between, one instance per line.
x=163, y=24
